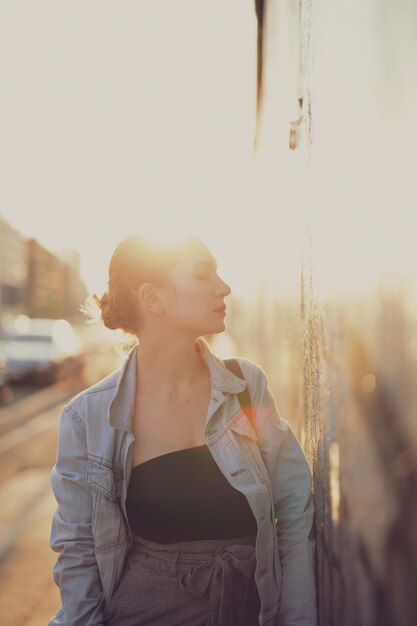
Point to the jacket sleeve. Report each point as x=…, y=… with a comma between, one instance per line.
x=75, y=572
x=294, y=509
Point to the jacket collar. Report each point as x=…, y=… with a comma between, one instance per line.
x=122, y=406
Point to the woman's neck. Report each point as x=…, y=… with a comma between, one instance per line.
x=169, y=367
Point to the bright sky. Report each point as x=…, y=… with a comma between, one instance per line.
x=140, y=116
x=121, y=117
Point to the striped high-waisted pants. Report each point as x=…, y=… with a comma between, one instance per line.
x=191, y=583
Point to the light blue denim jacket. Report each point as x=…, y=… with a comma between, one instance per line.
x=262, y=459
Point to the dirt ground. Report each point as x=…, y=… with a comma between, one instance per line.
x=28, y=594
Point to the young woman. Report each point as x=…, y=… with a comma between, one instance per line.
x=175, y=505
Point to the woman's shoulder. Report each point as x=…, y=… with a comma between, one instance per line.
x=253, y=373
x=101, y=391
x=224, y=350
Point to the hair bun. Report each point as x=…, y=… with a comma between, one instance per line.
x=109, y=316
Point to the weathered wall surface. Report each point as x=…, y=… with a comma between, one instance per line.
x=360, y=399
x=343, y=359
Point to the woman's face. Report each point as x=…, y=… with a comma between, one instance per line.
x=194, y=297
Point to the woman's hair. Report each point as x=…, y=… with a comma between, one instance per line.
x=136, y=260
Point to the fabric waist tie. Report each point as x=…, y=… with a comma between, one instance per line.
x=197, y=580
x=208, y=567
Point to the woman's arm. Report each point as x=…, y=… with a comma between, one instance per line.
x=294, y=508
x=75, y=572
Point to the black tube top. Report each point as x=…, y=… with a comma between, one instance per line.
x=183, y=496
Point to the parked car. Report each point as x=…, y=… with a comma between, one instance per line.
x=41, y=349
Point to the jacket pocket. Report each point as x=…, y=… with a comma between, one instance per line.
x=107, y=513
x=246, y=438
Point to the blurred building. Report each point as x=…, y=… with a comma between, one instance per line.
x=54, y=286
x=47, y=282
x=77, y=289
x=13, y=271
x=35, y=281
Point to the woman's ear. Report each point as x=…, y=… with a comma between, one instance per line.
x=150, y=298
